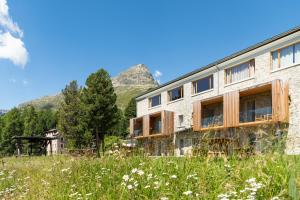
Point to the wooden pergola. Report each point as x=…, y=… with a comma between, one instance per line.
x=41, y=140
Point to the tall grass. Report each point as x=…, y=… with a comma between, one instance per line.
x=118, y=177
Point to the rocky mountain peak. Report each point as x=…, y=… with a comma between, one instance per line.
x=137, y=75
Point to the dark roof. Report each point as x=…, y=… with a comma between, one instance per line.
x=34, y=137
x=260, y=44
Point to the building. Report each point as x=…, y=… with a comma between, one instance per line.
x=58, y=144
x=239, y=100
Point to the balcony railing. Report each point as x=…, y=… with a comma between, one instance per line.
x=259, y=114
x=212, y=121
x=137, y=132
x=155, y=131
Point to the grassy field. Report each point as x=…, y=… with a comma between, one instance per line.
x=116, y=177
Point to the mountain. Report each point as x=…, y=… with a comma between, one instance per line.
x=127, y=84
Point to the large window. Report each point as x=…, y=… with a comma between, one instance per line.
x=155, y=101
x=286, y=56
x=175, y=94
x=240, y=72
x=203, y=84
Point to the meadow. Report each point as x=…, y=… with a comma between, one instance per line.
x=271, y=176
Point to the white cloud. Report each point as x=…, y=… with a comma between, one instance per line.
x=11, y=44
x=157, y=74
x=13, y=49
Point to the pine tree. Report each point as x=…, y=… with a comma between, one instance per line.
x=130, y=112
x=30, y=121
x=100, y=101
x=71, y=117
x=13, y=126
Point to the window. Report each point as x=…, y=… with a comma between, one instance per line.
x=240, y=72
x=175, y=94
x=155, y=101
x=180, y=120
x=286, y=56
x=203, y=84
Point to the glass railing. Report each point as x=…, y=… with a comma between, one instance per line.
x=259, y=114
x=138, y=132
x=155, y=131
x=212, y=121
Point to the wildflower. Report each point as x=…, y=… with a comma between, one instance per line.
x=164, y=198
x=173, y=176
x=65, y=170
x=135, y=170
x=275, y=198
x=188, y=193
x=74, y=194
x=130, y=187
x=167, y=183
x=125, y=178
x=140, y=172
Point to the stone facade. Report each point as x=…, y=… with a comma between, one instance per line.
x=263, y=74
x=58, y=144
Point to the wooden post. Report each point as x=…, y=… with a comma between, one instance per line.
x=50, y=147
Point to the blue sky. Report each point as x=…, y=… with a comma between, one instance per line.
x=61, y=40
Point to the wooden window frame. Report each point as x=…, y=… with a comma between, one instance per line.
x=195, y=84
x=230, y=71
x=278, y=54
x=150, y=101
x=181, y=93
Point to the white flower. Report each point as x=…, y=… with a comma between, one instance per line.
x=187, y=193
x=164, y=198
x=125, y=178
x=275, y=198
x=135, y=170
x=129, y=187
x=167, y=183
x=141, y=172
x=173, y=176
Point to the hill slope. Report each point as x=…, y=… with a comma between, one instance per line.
x=127, y=84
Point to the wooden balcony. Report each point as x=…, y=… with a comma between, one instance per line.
x=261, y=104
x=208, y=114
x=159, y=124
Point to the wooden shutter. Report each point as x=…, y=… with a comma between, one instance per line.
x=131, y=126
x=280, y=101
x=146, y=125
x=197, y=116
x=231, y=109
x=286, y=102
x=167, y=122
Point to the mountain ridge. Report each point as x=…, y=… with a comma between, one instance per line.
x=127, y=84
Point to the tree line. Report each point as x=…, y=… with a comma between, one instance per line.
x=86, y=115
x=24, y=122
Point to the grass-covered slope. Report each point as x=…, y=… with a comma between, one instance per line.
x=62, y=177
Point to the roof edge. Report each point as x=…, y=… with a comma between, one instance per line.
x=231, y=56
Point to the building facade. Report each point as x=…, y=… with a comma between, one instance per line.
x=238, y=99
x=58, y=144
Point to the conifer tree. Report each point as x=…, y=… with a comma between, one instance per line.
x=100, y=102
x=71, y=114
